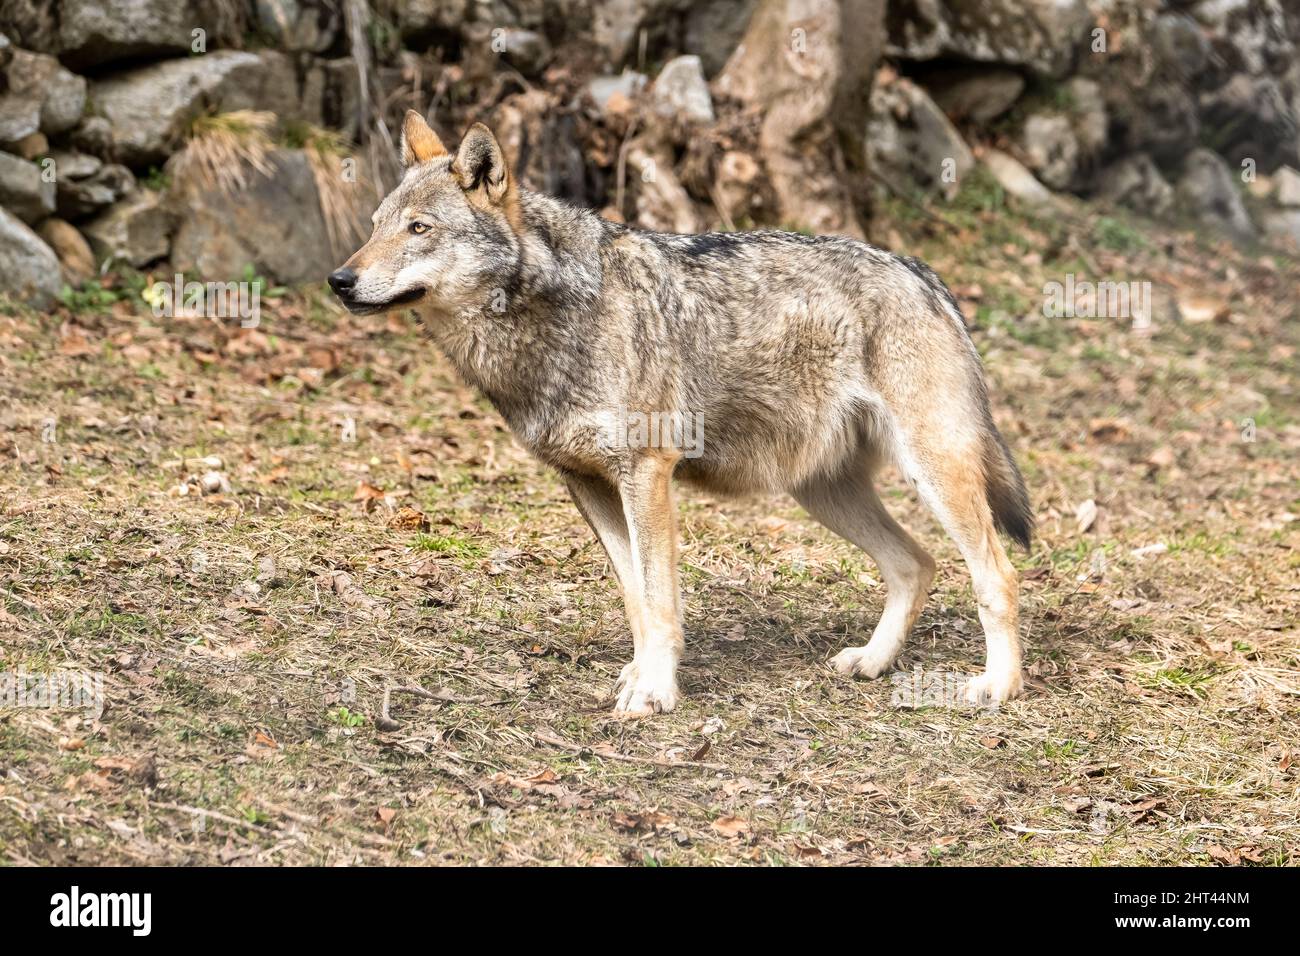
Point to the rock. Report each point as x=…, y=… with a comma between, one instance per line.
x=1135, y=182
x=71, y=248
x=1159, y=118
x=32, y=146
x=1286, y=186
x=604, y=89
x=680, y=90
x=278, y=85
x=1061, y=146
x=23, y=190
x=42, y=97
x=31, y=23
x=909, y=139
x=1051, y=149
x=78, y=198
x=1283, y=224
x=134, y=231
x=1246, y=36
x=69, y=164
x=341, y=108
x=300, y=25
x=94, y=32
x=1046, y=36
x=6, y=57
x=150, y=106
x=93, y=135
x=1208, y=191
x=526, y=50
x=714, y=29
x=63, y=94
x=977, y=94
x=1180, y=46
x=1016, y=179
x=275, y=225
x=1250, y=118
x=20, y=117
x=29, y=269
x=795, y=92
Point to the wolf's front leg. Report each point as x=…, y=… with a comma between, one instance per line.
x=649, y=683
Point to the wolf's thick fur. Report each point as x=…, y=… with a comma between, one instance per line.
x=808, y=361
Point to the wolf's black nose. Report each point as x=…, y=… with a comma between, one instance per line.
x=342, y=280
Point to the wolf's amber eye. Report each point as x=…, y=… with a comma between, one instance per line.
x=419, y=228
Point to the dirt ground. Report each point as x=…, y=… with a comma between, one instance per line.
x=381, y=530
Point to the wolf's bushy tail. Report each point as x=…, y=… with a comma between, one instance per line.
x=1005, y=490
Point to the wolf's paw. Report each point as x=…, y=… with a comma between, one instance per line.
x=989, y=690
x=861, y=661
x=644, y=689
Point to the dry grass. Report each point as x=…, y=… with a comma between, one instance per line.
x=244, y=719
x=338, y=173
x=222, y=149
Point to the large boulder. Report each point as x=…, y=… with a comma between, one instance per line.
x=29, y=269
x=149, y=107
x=23, y=190
x=1208, y=191
x=910, y=141
x=275, y=224
x=1046, y=36
x=95, y=32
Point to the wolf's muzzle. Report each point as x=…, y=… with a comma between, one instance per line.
x=342, y=281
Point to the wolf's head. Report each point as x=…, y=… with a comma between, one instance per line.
x=446, y=236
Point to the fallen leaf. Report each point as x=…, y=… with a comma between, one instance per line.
x=731, y=826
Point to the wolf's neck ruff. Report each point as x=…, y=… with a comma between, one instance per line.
x=520, y=339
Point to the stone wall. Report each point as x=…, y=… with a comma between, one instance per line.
x=673, y=114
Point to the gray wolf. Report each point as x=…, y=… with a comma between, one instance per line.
x=802, y=363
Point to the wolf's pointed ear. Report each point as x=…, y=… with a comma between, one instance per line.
x=480, y=165
x=419, y=142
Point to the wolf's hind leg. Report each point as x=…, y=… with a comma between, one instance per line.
x=849, y=506
x=951, y=481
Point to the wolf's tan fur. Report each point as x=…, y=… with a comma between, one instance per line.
x=811, y=362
